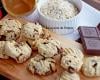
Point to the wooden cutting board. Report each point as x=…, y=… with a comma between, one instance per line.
x=10, y=69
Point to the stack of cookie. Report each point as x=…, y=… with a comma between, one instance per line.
x=10, y=31
x=44, y=63
x=15, y=39
x=18, y=41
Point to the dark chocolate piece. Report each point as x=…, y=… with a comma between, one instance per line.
x=98, y=26
x=90, y=37
x=89, y=32
x=92, y=46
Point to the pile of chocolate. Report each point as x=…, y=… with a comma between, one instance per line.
x=90, y=37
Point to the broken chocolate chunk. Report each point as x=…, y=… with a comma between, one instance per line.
x=2, y=38
x=71, y=69
x=92, y=46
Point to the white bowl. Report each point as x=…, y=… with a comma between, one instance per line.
x=62, y=27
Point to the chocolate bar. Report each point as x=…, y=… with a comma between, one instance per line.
x=90, y=37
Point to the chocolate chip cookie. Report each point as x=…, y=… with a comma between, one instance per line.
x=41, y=65
x=10, y=29
x=68, y=76
x=72, y=60
x=91, y=66
x=49, y=48
x=18, y=51
x=32, y=31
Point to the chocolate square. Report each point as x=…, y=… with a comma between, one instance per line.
x=88, y=32
x=92, y=46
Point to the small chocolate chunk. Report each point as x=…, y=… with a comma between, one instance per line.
x=95, y=65
x=2, y=38
x=71, y=69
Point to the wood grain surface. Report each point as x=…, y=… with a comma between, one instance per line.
x=10, y=69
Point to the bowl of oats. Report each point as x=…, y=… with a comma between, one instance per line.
x=60, y=16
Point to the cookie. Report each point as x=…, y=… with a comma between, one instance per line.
x=10, y=29
x=72, y=60
x=34, y=44
x=46, y=34
x=73, y=52
x=32, y=31
x=18, y=51
x=91, y=66
x=2, y=52
x=69, y=76
x=42, y=66
x=49, y=48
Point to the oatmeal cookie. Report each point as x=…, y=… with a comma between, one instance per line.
x=49, y=48
x=18, y=51
x=72, y=60
x=32, y=31
x=91, y=66
x=10, y=29
x=69, y=76
x=42, y=66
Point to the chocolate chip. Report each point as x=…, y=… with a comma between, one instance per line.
x=19, y=56
x=9, y=31
x=61, y=50
x=28, y=43
x=9, y=19
x=35, y=30
x=51, y=68
x=0, y=26
x=3, y=38
x=42, y=35
x=75, y=56
x=71, y=69
x=45, y=43
x=70, y=61
x=52, y=61
x=33, y=35
x=94, y=65
x=15, y=35
x=16, y=45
